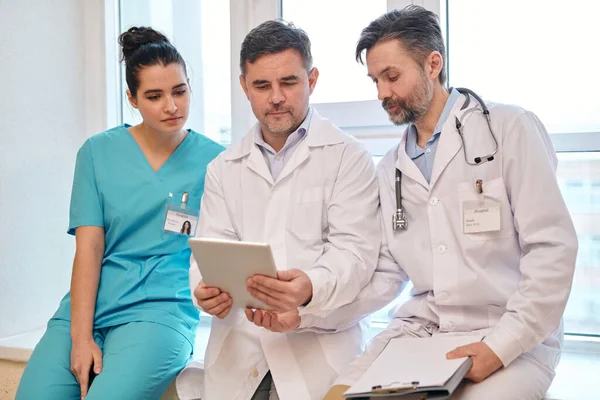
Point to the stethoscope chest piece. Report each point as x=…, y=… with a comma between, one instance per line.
x=399, y=221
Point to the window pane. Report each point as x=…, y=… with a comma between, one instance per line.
x=580, y=184
x=537, y=54
x=334, y=31
x=200, y=31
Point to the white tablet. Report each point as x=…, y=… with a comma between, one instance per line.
x=227, y=265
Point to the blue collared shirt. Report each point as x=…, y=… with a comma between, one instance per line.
x=277, y=160
x=423, y=158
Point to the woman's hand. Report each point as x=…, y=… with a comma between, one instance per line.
x=85, y=354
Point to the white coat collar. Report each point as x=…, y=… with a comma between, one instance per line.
x=406, y=165
x=450, y=144
x=320, y=132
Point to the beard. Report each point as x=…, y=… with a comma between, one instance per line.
x=411, y=109
x=282, y=125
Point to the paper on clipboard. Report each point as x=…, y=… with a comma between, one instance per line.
x=409, y=365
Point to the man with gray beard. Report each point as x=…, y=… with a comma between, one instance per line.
x=465, y=188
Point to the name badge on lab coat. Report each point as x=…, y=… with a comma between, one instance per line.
x=480, y=217
x=180, y=217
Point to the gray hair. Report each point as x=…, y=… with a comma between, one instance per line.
x=415, y=27
x=272, y=37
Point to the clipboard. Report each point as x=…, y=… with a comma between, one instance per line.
x=414, y=369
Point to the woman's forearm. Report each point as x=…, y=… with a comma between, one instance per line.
x=85, y=280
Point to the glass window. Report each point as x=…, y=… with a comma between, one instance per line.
x=201, y=32
x=579, y=179
x=334, y=31
x=537, y=54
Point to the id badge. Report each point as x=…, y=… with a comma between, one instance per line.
x=181, y=218
x=481, y=216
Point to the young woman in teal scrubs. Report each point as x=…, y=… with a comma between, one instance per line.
x=126, y=328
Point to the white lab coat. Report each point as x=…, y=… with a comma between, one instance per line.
x=321, y=216
x=512, y=285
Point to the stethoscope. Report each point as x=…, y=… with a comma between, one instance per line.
x=399, y=220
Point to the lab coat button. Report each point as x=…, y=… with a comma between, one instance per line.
x=254, y=373
x=442, y=295
x=447, y=327
x=442, y=249
x=434, y=201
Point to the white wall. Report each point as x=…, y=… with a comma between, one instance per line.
x=44, y=97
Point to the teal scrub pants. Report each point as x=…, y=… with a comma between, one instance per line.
x=140, y=360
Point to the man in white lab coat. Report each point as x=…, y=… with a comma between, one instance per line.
x=302, y=185
x=488, y=243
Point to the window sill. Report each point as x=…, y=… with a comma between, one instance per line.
x=577, y=372
x=18, y=348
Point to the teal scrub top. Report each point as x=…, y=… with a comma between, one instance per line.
x=144, y=273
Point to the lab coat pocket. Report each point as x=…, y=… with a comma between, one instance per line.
x=494, y=194
x=308, y=214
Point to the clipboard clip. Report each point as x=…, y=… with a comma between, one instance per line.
x=395, y=388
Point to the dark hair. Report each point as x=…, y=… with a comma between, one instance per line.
x=187, y=230
x=272, y=37
x=417, y=29
x=144, y=47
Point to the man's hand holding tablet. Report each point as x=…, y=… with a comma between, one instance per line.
x=291, y=289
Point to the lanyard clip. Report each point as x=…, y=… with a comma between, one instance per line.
x=479, y=185
x=184, y=200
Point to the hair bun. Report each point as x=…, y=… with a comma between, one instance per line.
x=136, y=37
